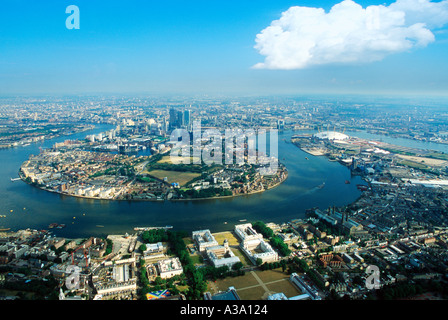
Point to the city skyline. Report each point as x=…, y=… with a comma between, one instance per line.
x=226, y=47
x=224, y=150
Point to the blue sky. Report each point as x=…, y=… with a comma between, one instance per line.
x=195, y=47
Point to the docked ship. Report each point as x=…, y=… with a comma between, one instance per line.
x=362, y=187
x=56, y=225
x=152, y=228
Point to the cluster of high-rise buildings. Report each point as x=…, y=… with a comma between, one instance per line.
x=180, y=119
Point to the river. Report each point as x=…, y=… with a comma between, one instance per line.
x=28, y=207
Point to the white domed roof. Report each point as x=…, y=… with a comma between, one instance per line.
x=331, y=135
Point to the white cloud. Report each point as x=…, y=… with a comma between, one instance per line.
x=348, y=33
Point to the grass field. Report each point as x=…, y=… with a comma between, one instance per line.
x=238, y=282
x=243, y=258
x=284, y=286
x=413, y=164
x=258, y=285
x=254, y=293
x=424, y=161
x=196, y=259
x=221, y=236
x=182, y=178
x=272, y=275
x=234, y=245
x=188, y=241
x=167, y=159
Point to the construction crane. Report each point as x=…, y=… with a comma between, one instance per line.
x=85, y=256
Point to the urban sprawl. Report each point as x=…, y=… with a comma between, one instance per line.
x=398, y=224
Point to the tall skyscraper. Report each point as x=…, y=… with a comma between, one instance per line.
x=174, y=119
x=280, y=124
x=187, y=118
x=179, y=118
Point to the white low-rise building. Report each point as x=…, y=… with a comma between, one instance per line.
x=247, y=233
x=116, y=288
x=153, y=250
x=222, y=255
x=204, y=239
x=169, y=268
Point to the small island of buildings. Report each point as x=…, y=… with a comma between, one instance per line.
x=82, y=169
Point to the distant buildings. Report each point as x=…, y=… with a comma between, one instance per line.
x=179, y=119
x=346, y=225
x=280, y=124
x=334, y=261
x=331, y=135
x=187, y=118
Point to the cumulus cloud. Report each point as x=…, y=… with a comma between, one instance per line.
x=348, y=33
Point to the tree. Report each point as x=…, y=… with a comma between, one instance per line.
x=155, y=235
x=159, y=281
x=237, y=266
x=109, y=246
x=142, y=247
x=283, y=266
x=144, y=277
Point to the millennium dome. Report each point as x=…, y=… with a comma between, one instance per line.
x=331, y=135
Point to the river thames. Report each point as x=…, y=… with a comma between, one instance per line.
x=28, y=207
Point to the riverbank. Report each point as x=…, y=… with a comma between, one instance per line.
x=156, y=200
x=284, y=201
x=27, y=141
x=238, y=195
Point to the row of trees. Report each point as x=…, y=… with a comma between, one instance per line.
x=302, y=265
x=177, y=167
x=154, y=236
x=41, y=290
x=222, y=272
x=315, y=278
x=290, y=265
x=274, y=265
x=275, y=240
x=282, y=247
x=206, y=193
x=402, y=290
x=123, y=170
x=196, y=280
x=109, y=247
